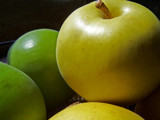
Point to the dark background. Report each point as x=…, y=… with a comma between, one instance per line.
x=20, y=16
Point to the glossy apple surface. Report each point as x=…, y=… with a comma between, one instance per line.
x=21, y=99
x=153, y=5
x=34, y=54
x=149, y=108
x=110, y=59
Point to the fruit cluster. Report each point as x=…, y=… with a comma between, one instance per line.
x=102, y=64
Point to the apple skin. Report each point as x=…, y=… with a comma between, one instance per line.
x=34, y=54
x=149, y=107
x=110, y=60
x=152, y=5
x=95, y=111
x=21, y=99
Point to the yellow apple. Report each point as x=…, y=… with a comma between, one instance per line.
x=110, y=53
x=96, y=111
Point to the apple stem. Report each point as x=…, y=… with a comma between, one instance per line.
x=101, y=6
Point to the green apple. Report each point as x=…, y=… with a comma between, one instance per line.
x=109, y=51
x=34, y=54
x=20, y=98
x=149, y=108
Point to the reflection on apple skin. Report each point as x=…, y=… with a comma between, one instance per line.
x=113, y=56
x=29, y=44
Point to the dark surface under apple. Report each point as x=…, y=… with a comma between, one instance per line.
x=3, y=60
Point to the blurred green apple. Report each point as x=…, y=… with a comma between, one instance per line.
x=34, y=54
x=109, y=51
x=20, y=98
x=149, y=108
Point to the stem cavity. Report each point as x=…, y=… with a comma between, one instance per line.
x=101, y=6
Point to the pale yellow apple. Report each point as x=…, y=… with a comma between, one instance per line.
x=96, y=111
x=115, y=59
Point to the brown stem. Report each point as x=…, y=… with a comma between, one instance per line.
x=101, y=6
